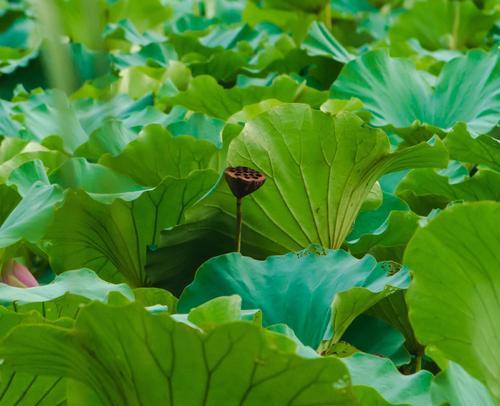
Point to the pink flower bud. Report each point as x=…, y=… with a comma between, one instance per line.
x=17, y=275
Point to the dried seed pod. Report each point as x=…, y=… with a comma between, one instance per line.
x=242, y=180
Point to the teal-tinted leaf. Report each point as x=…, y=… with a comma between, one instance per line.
x=374, y=336
x=397, y=94
x=449, y=306
x=391, y=225
x=296, y=289
x=394, y=311
x=126, y=31
x=201, y=127
x=241, y=363
x=83, y=282
x=44, y=116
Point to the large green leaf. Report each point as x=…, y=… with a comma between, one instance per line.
x=113, y=238
x=458, y=388
x=374, y=336
x=235, y=363
x=453, y=296
x=319, y=171
x=425, y=189
x=296, y=289
x=156, y=154
x=374, y=376
x=25, y=388
x=390, y=226
x=320, y=41
x=394, y=311
x=29, y=219
x=479, y=150
x=398, y=94
x=84, y=21
x=52, y=118
x=205, y=95
x=15, y=152
x=99, y=182
x=439, y=24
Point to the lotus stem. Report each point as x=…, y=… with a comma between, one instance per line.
x=239, y=218
x=456, y=25
x=327, y=15
x=242, y=181
x=418, y=362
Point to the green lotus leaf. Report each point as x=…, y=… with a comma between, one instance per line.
x=394, y=311
x=296, y=289
x=99, y=182
x=350, y=303
x=457, y=387
x=201, y=127
x=15, y=152
x=221, y=310
x=441, y=30
x=397, y=94
x=205, y=95
x=482, y=149
x=319, y=171
x=83, y=282
x=9, y=199
x=111, y=137
x=235, y=363
x=374, y=336
x=113, y=238
x=377, y=381
x=389, y=226
x=425, y=189
x=305, y=5
x=289, y=19
x=124, y=34
x=30, y=218
x=156, y=154
x=448, y=306
x=320, y=41
x=25, y=388
x=45, y=115
x=83, y=22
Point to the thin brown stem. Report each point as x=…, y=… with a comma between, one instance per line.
x=237, y=238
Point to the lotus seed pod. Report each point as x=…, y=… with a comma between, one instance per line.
x=242, y=180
